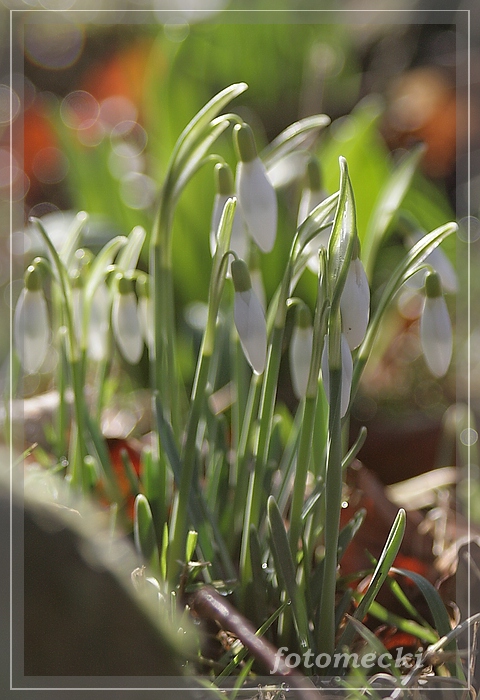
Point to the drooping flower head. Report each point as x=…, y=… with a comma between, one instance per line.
x=31, y=323
x=249, y=318
x=125, y=324
x=301, y=345
x=436, y=328
x=355, y=301
x=347, y=373
x=256, y=196
x=312, y=196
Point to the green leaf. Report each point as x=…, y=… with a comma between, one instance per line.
x=285, y=570
x=349, y=531
x=388, y=205
x=379, y=575
x=291, y=138
x=100, y=265
x=341, y=240
x=128, y=258
x=72, y=240
x=144, y=531
x=374, y=643
x=188, y=139
x=432, y=598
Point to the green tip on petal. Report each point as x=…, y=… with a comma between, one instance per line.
x=125, y=285
x=33, y=279
x=244, y=143
x=433, y=285
x=143, y=286
x=314, y=175
x=240, y=276
x=303, y=317
x=223, y=179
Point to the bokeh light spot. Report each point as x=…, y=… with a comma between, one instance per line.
x=50, y=165
x=128, y=139
x=137, y=190
x=79, y=110
x=468, y=437
x=55, y=46
x=116, y=109
x=9, y=104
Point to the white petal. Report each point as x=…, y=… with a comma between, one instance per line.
x=258, y=202
x=31, y=329
x=126, y=327
x=300, y=358
x=145, y=319
x=258, y=288
x=251, y=328
x=99, y=324
x=355, y=304
x=347, y=373
x=312, y=248
x=436, y=335
x=309, y=200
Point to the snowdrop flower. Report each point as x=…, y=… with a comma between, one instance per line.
x=440, y=263
x=249, y=318
x=312, y=196
x=145, y=311
x=31, y=323
x=125, y=324
x=224, y=191
x=355, y=301
x=347, y=372
x=256, y=278
x=301, y=346
x=99, y=324
x=256, y=196
x=435, y=327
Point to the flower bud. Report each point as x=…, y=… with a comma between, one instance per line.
x=355, y=302
x=125, y=324
x=256, y=196
x=435, y=328
x=301, y=345
x=249, y=318
x=347, y=373
x=31, y=323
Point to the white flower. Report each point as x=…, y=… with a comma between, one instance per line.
x=249, y=318
x=99, y=324
x=435, y=328
x=347, y=373
x=31, y=325
x=256, y=196
x=355, y=304
x=125, y=323
x=301, y=345
x=145, y=318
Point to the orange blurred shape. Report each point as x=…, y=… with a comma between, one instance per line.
x=116, y=447
x=123, y=74
x=423, y=107
x=38, y=135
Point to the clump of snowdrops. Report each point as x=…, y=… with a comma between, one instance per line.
x=221, y=497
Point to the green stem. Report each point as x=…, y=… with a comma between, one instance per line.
x=176, y=548
x=333, y=500
x=303, y=457
x=255, y=492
